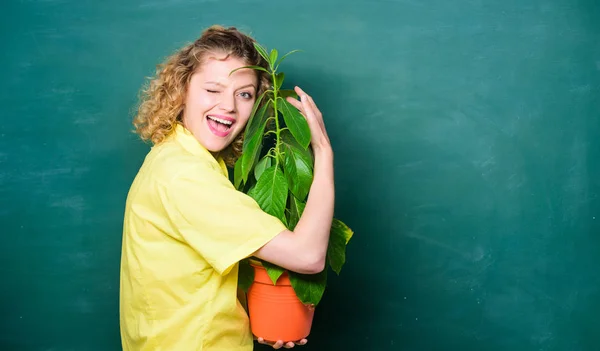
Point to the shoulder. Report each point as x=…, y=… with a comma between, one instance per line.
x=168, y=161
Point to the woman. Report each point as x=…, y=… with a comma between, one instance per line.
x=186, y=227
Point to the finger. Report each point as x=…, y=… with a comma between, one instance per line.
x=302, y=342
x=299, y=91
x=289, y=345
x=278, y=344
x=318, y=117
x=318, y=135
x=309, y=114
x=317, y=112
x=296, y=103
x=262, y=341
x=306, y=107
x=313, y=104
x=314, y=118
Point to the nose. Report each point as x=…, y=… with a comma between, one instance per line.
x=227, y=103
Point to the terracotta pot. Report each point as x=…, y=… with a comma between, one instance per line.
x=275, y=311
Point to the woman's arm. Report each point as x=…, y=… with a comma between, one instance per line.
x=304, y=250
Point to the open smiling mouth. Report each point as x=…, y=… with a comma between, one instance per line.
x=220, y=126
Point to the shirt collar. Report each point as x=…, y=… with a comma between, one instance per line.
x=188, y=141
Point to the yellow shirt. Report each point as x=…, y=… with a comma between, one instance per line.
x=185, y=229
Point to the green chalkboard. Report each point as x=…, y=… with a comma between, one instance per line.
x=467, y=143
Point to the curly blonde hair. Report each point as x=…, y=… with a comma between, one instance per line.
x=162, y=99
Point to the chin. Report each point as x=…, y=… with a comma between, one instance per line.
x=216, y=145
x=212, y=143
x=215, y=149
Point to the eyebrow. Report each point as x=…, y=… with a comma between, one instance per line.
x=216, y=83
x=242, y=87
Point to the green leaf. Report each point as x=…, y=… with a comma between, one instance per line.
x=252, y=192
x=309, y=287
x=339, y=236
x=261, y=166
x=295, y=122
x=257, y=104
x=262, y=51
x=288, y=139
x=271, y=192
x=251, y=151
x=237, y=173
x=284, y=93
x=279, y=78
x=251, y=67
x=273, y=271
x=289, y=165
x=255, y=122
x=286, y=55
x=298, y=171
x=296, y=209
x=253, y=140
x=301, y=205
x=273, y=57
x=245, y=275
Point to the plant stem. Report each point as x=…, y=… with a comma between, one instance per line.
x=277, y=130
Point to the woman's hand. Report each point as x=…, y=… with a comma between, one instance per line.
x=279, y=344
x=308, y=108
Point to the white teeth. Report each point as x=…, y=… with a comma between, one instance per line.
x=220, y=120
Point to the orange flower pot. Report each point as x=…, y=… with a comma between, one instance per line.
x=275, y=311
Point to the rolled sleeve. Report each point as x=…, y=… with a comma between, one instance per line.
x=221, y=223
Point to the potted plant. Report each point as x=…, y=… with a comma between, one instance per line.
x=276, y=169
